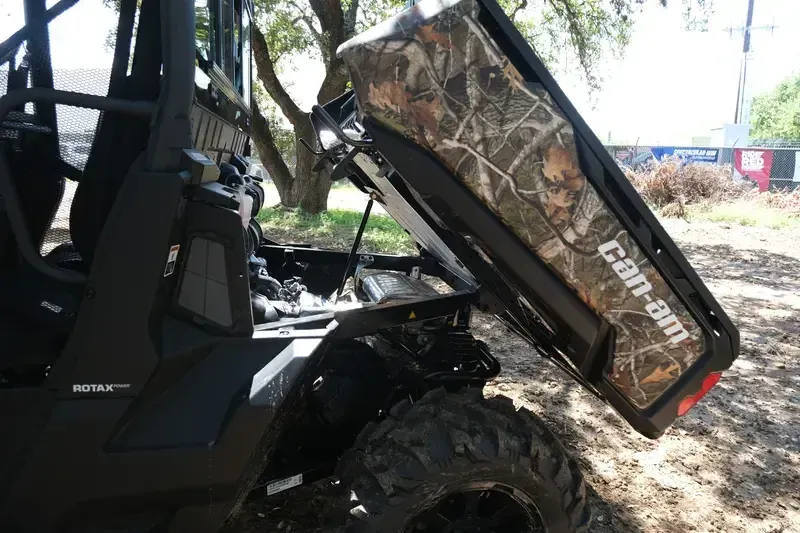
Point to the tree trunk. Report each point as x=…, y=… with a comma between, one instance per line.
x=307, y=189
x=311, y=187
x=272, y=160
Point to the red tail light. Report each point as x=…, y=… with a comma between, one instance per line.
x=708, y=383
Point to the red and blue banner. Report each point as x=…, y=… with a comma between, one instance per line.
x=687, y=154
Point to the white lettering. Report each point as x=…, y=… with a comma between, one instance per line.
x=644, y=285
x=604, y=250
x=625, y=269
x=657, y=310
x=99, y=387
x=628, y=272
x=752, y=160
x=673, y=329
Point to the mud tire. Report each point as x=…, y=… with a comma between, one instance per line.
x=427, y=450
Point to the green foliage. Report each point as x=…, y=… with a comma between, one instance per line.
x=566, y=31
x=776, y=115
x=291, y=26
x=336, y=229
x=696, y=13
x=372, y=12
x=582, y=31
x=287, y=27
x=563, y=32
x=745, y=213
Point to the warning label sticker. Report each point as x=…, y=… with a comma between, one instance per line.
x=284, y=484
x=172, y=258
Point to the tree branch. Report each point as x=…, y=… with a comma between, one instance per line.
x=267, y=75
x=508, y=177
x=576, y=33
x=350, y=18
x=475, y=96
x=333, y=22
x=268, y=151
x=519, y=8
x=318, y=37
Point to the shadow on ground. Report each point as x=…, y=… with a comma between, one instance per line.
x=733, y=463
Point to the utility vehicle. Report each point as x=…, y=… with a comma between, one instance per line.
x=160, y=356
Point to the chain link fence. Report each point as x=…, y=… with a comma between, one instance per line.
x=772, y=164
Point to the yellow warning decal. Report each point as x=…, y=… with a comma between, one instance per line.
x=412, y=315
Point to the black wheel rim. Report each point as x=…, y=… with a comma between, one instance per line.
x=479, y=508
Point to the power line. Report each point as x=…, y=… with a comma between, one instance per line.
x=747, y=29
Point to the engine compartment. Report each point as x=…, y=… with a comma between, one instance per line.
x=289, y=281
x=274, y=300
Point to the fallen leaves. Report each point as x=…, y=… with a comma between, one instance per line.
x=564, y=180
x=560, y=198
x=557, y=206
x=427, y=34
x=388, y=95
x=658, y=375
x=510, y=73
x=425, y=113
x=560, y=168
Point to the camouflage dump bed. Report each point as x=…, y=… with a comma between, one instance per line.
x=490, y=150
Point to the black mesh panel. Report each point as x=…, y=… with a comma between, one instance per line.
x=76, y=70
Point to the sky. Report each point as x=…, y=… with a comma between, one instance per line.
x=669, y=86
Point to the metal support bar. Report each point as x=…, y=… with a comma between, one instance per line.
x=354, y=249
x=41, y=72
x=171, y=131
x=8, y=190
x=10, y=45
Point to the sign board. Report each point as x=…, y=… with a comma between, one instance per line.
x=754, y=165
x=622, y=155
x=687, y=154
x=796, y=175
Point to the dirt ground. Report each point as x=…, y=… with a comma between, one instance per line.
x=731, y=465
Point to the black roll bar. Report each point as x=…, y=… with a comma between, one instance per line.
x=8, y=190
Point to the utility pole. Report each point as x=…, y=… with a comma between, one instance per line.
x=740, y=94
x=747, y=29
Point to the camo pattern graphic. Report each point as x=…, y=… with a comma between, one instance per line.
x=443, y=82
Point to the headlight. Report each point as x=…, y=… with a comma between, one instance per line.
x=328, y=139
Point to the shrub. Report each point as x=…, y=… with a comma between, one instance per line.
x=784, y=200
x=671, y=182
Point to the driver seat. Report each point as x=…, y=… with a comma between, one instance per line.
x=43, y=308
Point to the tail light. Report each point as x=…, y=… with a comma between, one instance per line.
x=708, y=383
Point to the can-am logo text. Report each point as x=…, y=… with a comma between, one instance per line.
x=98, y=387
x=752, y=160
x=628, y=272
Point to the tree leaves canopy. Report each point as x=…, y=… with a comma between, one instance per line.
x=563, y=32
x=776, y=114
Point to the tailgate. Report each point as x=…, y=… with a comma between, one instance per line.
x=495, y=156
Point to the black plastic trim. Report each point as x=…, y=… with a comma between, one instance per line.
x=428, y=176
x=172, y=131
